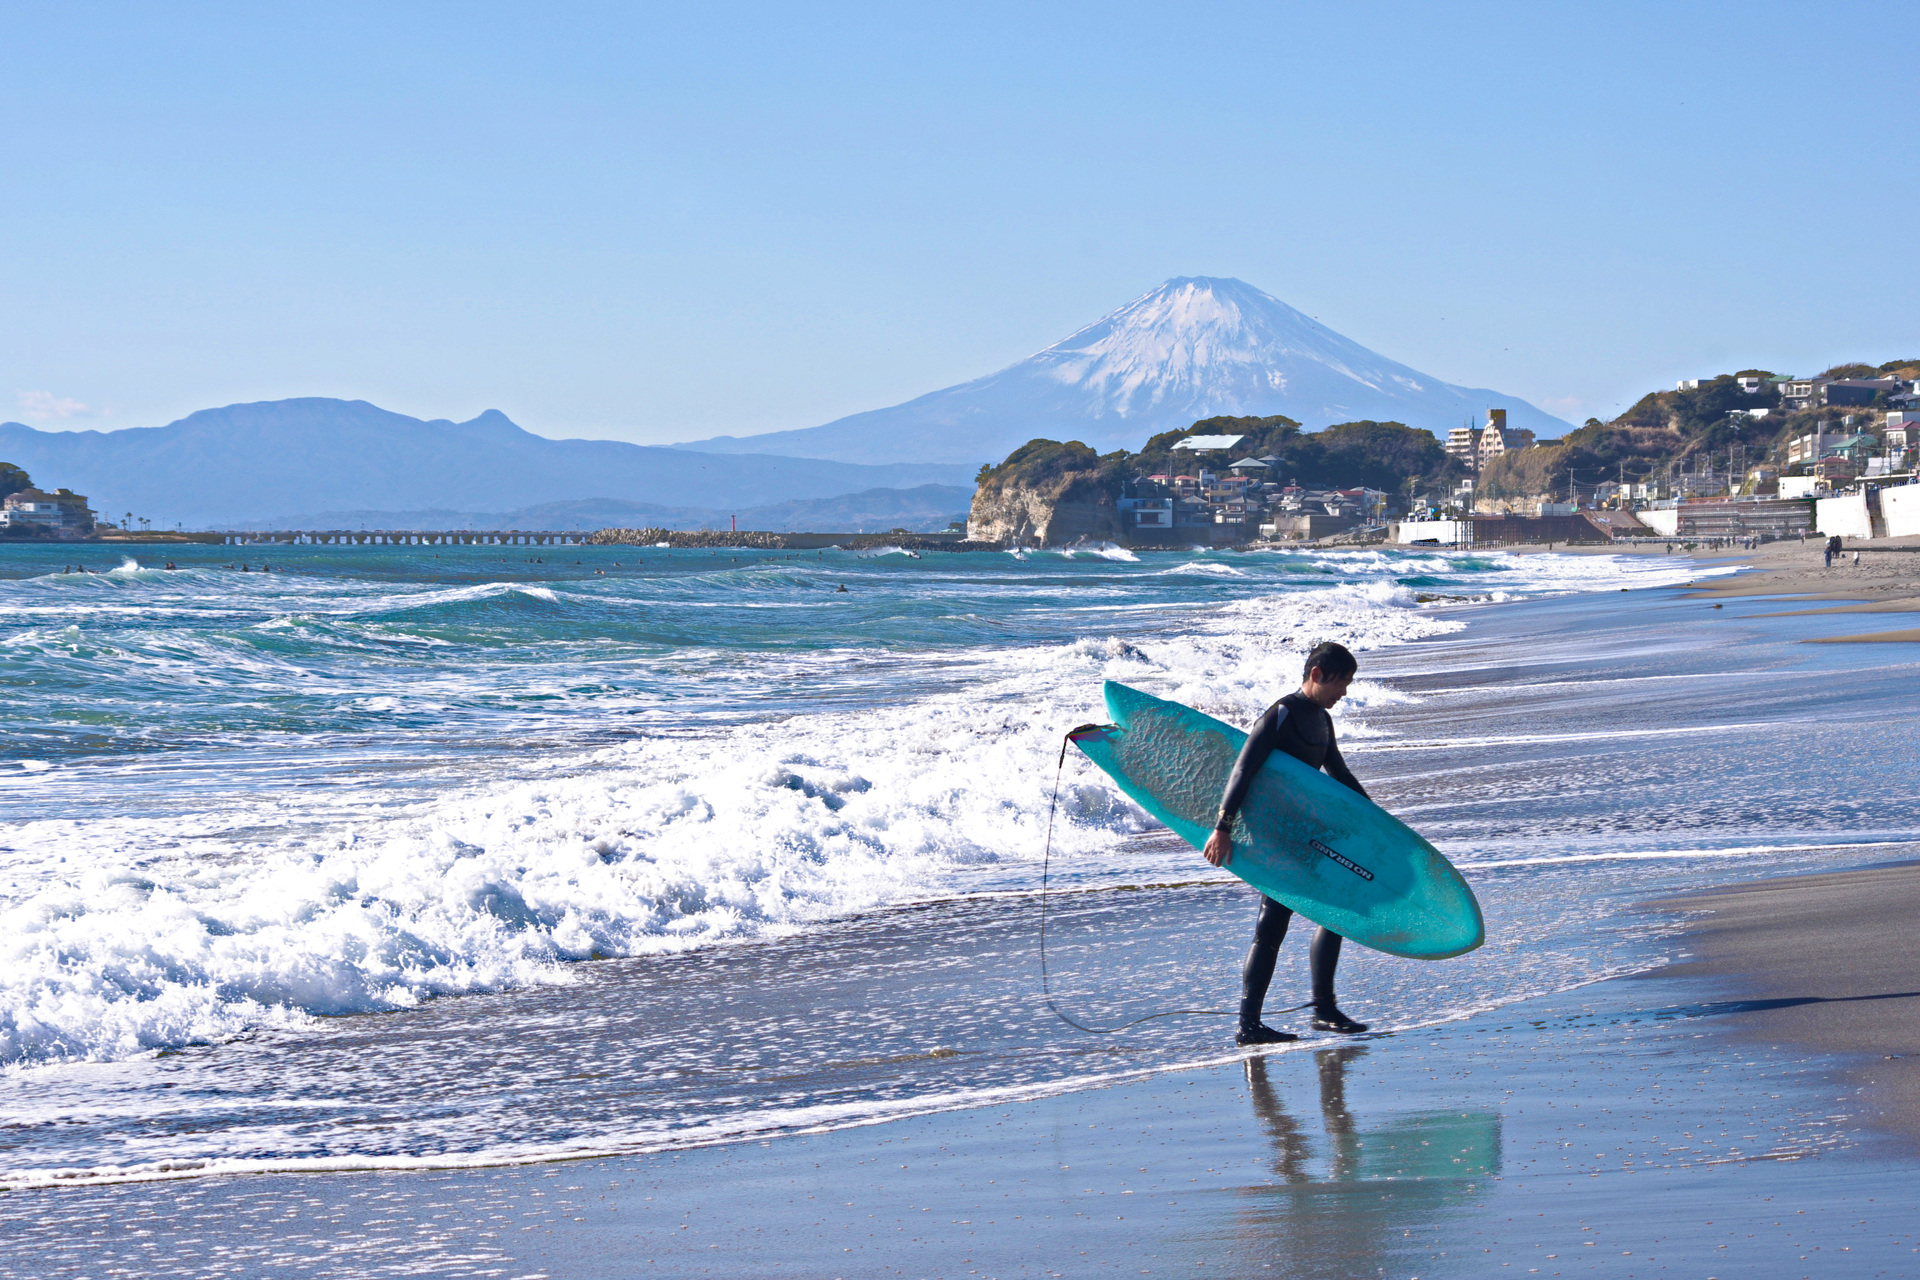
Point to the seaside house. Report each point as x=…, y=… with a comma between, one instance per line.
x=1798, y=393
x=1835, y=471
x=1854, y=448
x=1842, y=391
x=1808, y=393
x=1207, y=444
x=32, y=513
x=1147, y=518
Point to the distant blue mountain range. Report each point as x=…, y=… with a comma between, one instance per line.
x=249, y=463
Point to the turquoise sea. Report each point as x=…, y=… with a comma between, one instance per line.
x=403, y=856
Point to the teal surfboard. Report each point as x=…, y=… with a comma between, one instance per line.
x=1302, y=839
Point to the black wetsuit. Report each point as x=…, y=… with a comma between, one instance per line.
x=1302, y=729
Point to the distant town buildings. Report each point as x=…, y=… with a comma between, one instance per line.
x=31, y=513
x=1475, y=447
x=1200, y=501
x=1797, y=394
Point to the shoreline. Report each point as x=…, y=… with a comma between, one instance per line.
x=1790, y=572
x=1820, y=962
x=1646, y=1118
x=1650, y=1118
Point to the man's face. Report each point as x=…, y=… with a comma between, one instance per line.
x=1323, y=690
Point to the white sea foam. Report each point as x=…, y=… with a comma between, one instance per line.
x=662, y=843
x=172, y=931
x=1213, y=568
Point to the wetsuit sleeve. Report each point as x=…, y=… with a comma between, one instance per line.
x=1260, y=743
x=1336, y=766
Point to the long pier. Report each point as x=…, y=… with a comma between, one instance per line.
x=406, y=538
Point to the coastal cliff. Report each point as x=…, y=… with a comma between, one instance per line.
x=1050, y=493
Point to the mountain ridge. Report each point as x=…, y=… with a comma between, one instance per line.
x=268, y=459
x=1194, y=347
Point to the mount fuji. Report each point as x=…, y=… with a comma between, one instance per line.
x=1193, y=348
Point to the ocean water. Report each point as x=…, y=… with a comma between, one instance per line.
x=389, y=858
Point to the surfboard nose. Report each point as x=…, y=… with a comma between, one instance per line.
x=1454, y=932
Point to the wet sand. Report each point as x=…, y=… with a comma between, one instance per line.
x=1824, y=963
x=1669, y=1124
x=1886, y=579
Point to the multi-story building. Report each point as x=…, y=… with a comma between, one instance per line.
x=1811, y=447
x=1497, y=437
x=1464, y=443
x=1477, y=446
x=52, y=515
x=1799, y=393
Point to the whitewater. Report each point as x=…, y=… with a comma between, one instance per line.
x=240, y=807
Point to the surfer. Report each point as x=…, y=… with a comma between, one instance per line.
x=1299, y=725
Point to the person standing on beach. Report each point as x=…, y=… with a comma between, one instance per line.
x=1299, y=725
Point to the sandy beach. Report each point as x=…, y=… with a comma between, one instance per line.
x=1881, y=576
x=1884, y=579
x=1822, y=963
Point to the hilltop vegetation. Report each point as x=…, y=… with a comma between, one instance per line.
x=1672, y=431
x=1379, y=455
x=1054, y=490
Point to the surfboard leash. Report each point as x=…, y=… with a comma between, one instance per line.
x=1046, y=866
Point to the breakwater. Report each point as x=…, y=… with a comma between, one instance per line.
x=402, y=538
x=784, y=541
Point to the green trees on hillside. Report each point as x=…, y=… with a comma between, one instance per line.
x=13, y=479
x=1058, y=472
x=1380, y=455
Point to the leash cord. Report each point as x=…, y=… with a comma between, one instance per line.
x=1046, y=866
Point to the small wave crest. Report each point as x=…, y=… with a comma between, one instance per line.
x=1210, y=568
x=664, y=843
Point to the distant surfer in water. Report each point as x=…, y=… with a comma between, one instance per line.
x=1299, y=725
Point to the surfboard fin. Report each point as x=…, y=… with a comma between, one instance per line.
x=1088, y=733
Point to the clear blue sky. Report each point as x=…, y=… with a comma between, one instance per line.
x=659, y=223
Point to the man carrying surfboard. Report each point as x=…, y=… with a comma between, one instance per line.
x=1299, y=725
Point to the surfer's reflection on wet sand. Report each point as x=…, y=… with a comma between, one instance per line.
x=1343, y=1203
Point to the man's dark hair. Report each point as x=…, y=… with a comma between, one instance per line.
x=1336, y=661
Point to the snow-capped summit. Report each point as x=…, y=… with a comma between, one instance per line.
x=1190, y=349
